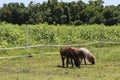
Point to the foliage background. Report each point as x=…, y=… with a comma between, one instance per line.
x=54, y=12
x=15, y=35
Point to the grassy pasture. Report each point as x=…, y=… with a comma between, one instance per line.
x=46, y=67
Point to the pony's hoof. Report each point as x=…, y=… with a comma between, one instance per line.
x=78, y=67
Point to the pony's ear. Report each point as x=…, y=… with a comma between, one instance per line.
x=70, y=48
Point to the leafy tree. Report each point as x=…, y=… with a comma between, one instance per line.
x=52, y=4
x=73, y=10
x=66, y=17
x=58, y=14
x=118, y=11
x=111, y=15
x=35, y=14
x=97, y=8
x=54, y=12
x=13, y=13
x=87, y=13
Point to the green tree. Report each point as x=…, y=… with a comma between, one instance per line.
x=54, y=12
x=97, y=7
x=35, y=14
x=58, y=14
x=51, y=6
x=66, y=17
x=87, y=13
x=13, y=13
x=111, y=15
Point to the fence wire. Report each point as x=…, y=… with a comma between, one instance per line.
x=50, y=45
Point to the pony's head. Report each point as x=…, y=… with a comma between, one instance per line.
x=77, y=62
x=75, y=56
x=92, y=59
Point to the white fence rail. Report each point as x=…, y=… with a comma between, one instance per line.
x=41, y=45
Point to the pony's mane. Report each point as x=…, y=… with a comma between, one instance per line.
x=88, y=54
x=86, y=51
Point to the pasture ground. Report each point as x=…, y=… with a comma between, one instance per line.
x=46, y=67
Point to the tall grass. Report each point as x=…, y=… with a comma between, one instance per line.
x=15, y=35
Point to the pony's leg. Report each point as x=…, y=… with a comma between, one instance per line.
x=85, y=61
x=72, y=63
x=81, y=59
x=63, y=65
x=67, y=62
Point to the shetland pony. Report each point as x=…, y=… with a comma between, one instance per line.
x=68, y=53
x=85, y=54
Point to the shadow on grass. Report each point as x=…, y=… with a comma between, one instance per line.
x=70, y=67
x=87, y=64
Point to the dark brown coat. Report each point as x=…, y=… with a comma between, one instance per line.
x=69, y=53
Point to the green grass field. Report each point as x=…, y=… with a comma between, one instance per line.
x=46, y=67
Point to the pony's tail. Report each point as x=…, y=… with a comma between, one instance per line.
x=90, y=58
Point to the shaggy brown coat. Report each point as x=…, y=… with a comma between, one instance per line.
x=85, y=54
x=69, y=53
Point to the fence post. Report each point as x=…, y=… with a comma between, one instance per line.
x=43, y=48
x=26, y=36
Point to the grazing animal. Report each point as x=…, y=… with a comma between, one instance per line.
x=85, y=54
x=68, y=53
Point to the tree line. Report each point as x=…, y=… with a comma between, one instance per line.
x=54, y=12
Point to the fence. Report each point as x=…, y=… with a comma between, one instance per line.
x=48, y=45
x=52, y=52
x=43, y=45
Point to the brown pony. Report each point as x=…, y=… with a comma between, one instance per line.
x=85, y=54
x=68, y=53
